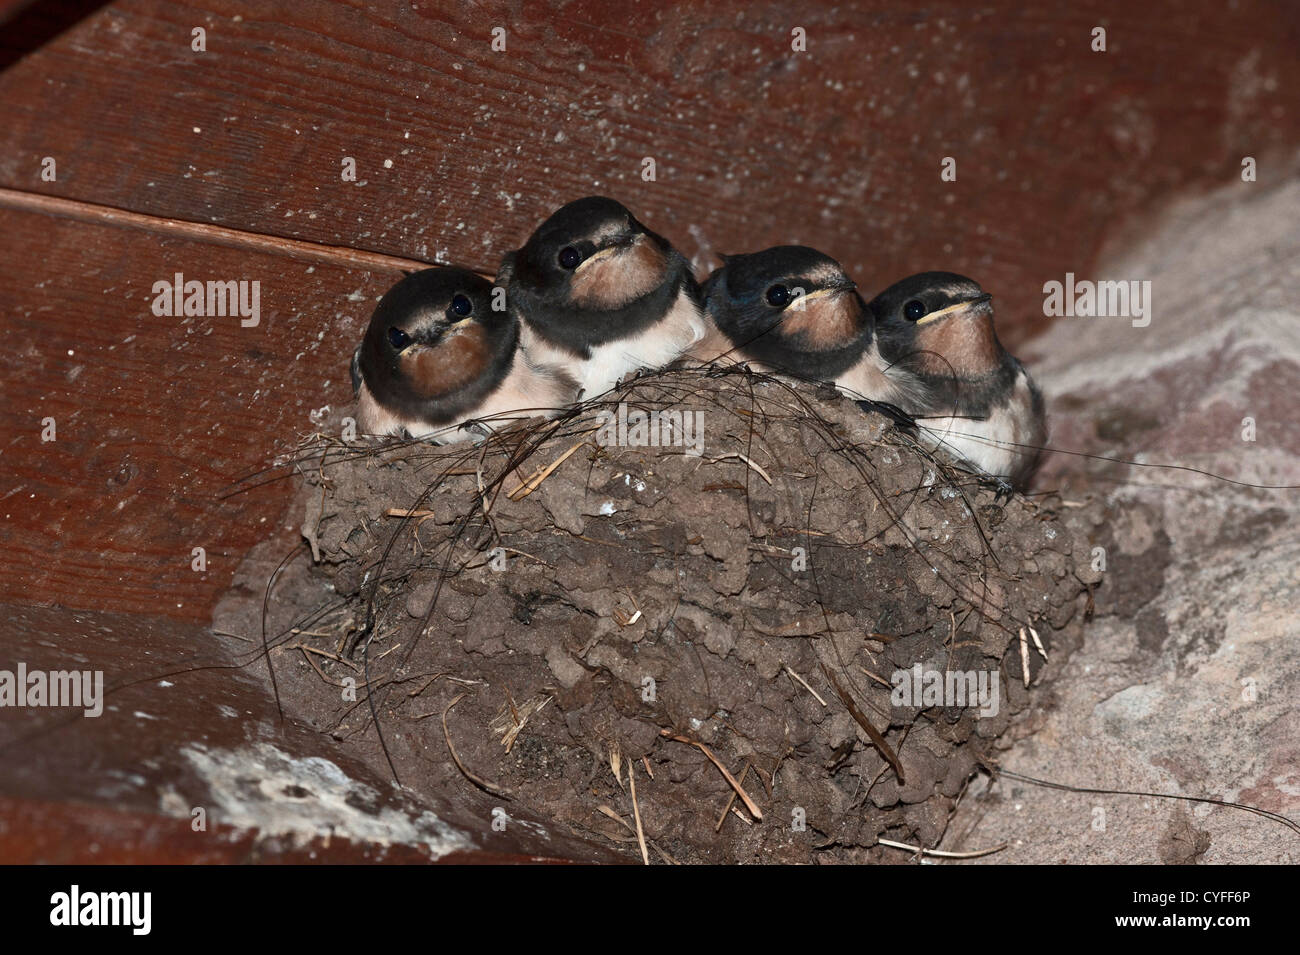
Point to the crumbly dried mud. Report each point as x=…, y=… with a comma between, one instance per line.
x=642, y=611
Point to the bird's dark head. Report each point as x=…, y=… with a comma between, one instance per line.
x=591, y=254
x=592, y=273
x=435, y=343
x=792, y=308
x=937, y=323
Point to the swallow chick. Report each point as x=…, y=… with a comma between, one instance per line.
x=935, y=335
x=601, y=296
x=793, y=310
x=437, y=354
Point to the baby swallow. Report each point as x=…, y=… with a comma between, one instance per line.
x=601, y=296
x=793, y=310
x=935, y=335
x=436, y=354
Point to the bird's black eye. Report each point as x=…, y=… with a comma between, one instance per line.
x=914, y=310
x=398, y=338
x=778, y=296
x=461, y=305
x=569, y=257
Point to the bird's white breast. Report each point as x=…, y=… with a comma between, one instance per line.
x=528, y=390
x=662, y=343
x=999, y=445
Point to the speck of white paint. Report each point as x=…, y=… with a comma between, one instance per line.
x=388, y=164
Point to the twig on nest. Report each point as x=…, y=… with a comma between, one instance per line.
x=749, y=803
x=423, y=513
x=636, y=812
x=1038, y=643
x=736, y=454
x=478, y=781
x=616, y=762
x=873, y=734
x=807, y=625
x=731, y=801
x=526, y=712
x=511, y=720
x=606, y=811
x=324, y=653
x=524, y=554
x=482, y=491
x=939, y=853
x=319, y=672
x=622, y=617
x=432, y=679
x=531, y=484
x=879, y=679
x=804, y=684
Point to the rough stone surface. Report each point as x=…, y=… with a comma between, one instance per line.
x=1188, y=678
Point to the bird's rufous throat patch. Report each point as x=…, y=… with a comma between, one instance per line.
x=826, y=321
x=962, y=343
x=451, y=364
x=612, y=278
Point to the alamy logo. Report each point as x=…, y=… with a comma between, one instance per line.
x=212, y=298
x=75, y=688
x=921, y=687
x=103, y=908
x=651, y=429
x=1087, y=299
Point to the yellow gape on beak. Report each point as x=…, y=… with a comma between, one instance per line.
x=956, y=307
x=605, y=252
x=810, y=296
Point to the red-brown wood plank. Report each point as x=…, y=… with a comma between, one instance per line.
x=839, y=147
x=155, y=416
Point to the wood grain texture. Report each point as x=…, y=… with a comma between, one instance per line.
x=156, y=417
x=839, y=147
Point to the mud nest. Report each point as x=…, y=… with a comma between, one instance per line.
x=546, y=619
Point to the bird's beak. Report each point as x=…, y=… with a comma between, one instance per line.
x=451, y=329
x=830, y=292
x=826, y=293
x=955, y=308
x=619, y=245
